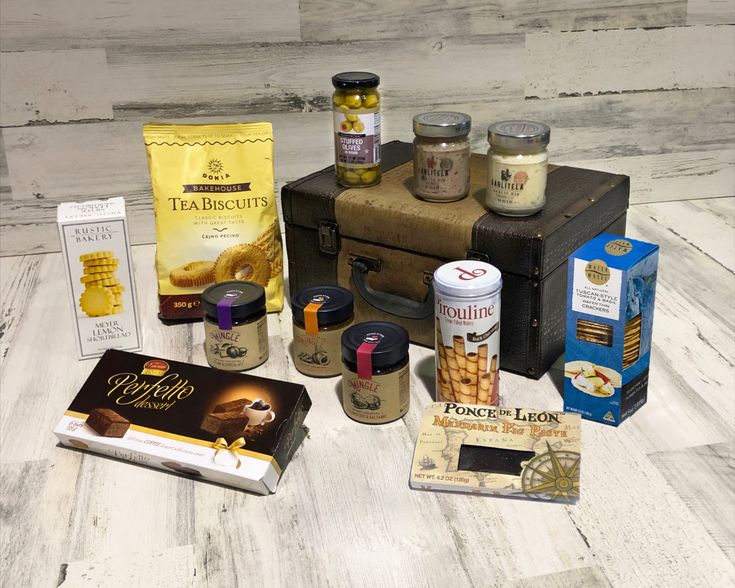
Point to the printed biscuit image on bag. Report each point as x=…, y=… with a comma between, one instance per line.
x=216, y=216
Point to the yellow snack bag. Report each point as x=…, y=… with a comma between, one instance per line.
x=216, y=216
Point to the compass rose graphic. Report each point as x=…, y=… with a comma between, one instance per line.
x=555, y=473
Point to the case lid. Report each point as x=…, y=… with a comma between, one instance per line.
x=581, y=203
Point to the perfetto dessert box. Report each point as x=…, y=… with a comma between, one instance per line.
x=220, y=426
x=610, y=302
x=497, y=450
x=99, y=274
x=383, y=240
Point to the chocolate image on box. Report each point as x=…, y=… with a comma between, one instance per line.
x=106, y=422
x=181, y=469
x=232, y=406
x=78, y=444
x=225, y=424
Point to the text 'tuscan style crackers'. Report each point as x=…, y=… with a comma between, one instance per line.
x=216, y=216
x=96, y=252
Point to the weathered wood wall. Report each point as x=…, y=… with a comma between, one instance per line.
x=638, y=87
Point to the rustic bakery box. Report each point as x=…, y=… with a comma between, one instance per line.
x=384, y=245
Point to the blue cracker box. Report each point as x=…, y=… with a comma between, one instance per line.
x=610, y=297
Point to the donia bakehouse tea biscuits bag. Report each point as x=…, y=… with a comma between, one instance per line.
x=216, y=217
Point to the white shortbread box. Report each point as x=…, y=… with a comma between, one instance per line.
x=99, y=274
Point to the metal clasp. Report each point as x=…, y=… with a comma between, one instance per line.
x=329, y=237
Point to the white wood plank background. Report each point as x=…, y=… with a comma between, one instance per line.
x=641, y=87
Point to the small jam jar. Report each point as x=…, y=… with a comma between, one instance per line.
x=235, y=325
x=441, y=156
x=320, y=316
x=376, y=379
x=517, y=162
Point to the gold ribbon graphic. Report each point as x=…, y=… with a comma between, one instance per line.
x=221, y=445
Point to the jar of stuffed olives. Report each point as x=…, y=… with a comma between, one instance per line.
x=356, y=105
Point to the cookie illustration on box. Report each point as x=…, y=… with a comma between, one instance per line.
x=106, y=422
x=102, y=294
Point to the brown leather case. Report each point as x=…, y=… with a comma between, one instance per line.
x=384, y=245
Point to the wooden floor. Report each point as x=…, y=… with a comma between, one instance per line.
x=640, y=87
x=657, y=492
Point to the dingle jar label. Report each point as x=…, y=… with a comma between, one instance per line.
x=240, y=348
x=317, y=355
x=381, y=399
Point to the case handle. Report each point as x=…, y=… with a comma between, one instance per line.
x=390, y=303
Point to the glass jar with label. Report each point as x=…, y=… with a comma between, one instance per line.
x=356, y=106
x=517, y=160
x=320, y=316
x=441, y=156
x=376, y=378
x=235, y=325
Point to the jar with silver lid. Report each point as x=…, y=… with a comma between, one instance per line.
x=517, y=162
x=441, y=156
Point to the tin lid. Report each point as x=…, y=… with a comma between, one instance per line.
x=243, y=299
x=467, y=277
x=388, y=343
x=355, y=79
x=518, y=134
x=442, y=124
x=336, y=304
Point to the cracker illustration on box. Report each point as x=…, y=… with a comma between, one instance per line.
x=102, y=289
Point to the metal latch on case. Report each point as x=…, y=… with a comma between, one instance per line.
x=371, y=263
x=329, y=237
x=478, y=255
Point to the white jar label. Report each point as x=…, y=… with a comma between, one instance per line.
x=317, y=355
x=357, y=137
x=240, y=348
x=516, y=187
x=441, y=174
x=381, y=399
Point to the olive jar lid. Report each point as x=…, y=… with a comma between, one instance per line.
x=336, y=304
x=355, y=79
x=442, y=124
x=243, y=299
x=518, y=134
x=388, y=343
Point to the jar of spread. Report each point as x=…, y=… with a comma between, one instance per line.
x=356, y=113
x=467, y=309
x=320, y=316
x=376, y=379
x=235, y=325
x=517, y=162
x=441, y=156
